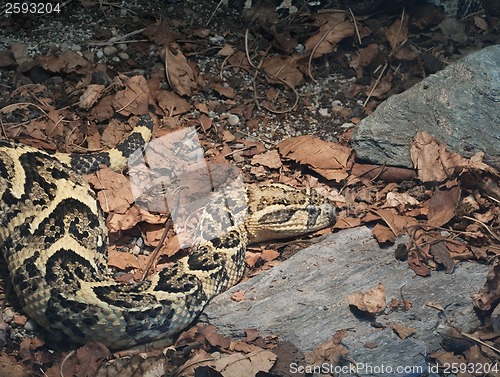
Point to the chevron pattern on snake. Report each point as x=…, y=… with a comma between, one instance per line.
x=54, y=239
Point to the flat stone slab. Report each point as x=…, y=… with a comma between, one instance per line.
x=304, y=301
x=459, y=105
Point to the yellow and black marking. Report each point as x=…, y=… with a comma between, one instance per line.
x=116, y=158
x=54, y=239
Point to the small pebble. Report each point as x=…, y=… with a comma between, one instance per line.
x=110, y=50
x=8, y=315
x=233, y=119
x=324, y=112
x=123, y=56
x=99, y=54
x=217, y=40
x=300, y=48
x=30, y=325
x=347, y=125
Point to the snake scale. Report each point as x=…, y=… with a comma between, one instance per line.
x=54, y=240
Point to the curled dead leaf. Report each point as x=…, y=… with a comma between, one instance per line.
x=134, y=99
x=372, y=301
x=402, y=331
x=269, y=159
x=331, y=160
x=91, y=95
x=330, y=33
x=180, y=75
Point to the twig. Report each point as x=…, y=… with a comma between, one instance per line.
x=480, y=342
x=309, y=62
x=117, y=40
x=154, y=254
x=488, y=229
x=355, y=25
x=375, y=85
x=215, y=11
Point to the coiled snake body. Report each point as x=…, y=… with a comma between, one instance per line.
x=54, y=240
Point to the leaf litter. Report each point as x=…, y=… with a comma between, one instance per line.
x=448, y=204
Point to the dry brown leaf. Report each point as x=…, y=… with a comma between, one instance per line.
x=67, y=62
x=405, y=53
x=331, y=160
x=269, y=255
x=400, y=200
x=379, y=88
x=246, y=364
x=442, y=358
x=55, y=126
x=169, y=247
x=383, y=233
x=180, y=75
x=115, y=194
x=442, y=206
x=283, y=70
x=397, y=304
x=103, y=110
x=269, y=159
x=347, y=223
x=171, y=103
x=402, y=331
x=418, y=266
x=119, y=222
x=238, y=296
x=214, y=338
x=490, y=293
x=442, y=256
x=86, y=360
x=21, y=55
x=330, y=351
x=371, y=301
x=432, y=160
x=259, y=172
x=7, y=59
x=475, y=356
x=226, y=50
x=114, y=133
x=11, y=367
x=91, y=96
x=152, y=218
x=134, y=99
x=251, y=258
x=367, y=55
x=243, y=346
x=161, y=32
x=124, y=261
x=224, y=90
x=397, y=33
x=332, y=32
x=199, y=359
x=397, y=223
x=228, y=136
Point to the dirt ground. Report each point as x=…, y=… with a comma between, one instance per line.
x=76, y=79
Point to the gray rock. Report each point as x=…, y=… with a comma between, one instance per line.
x=304, y=301
x=459, y=105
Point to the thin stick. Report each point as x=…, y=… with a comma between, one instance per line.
x=375, y=85
x=355, y=26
